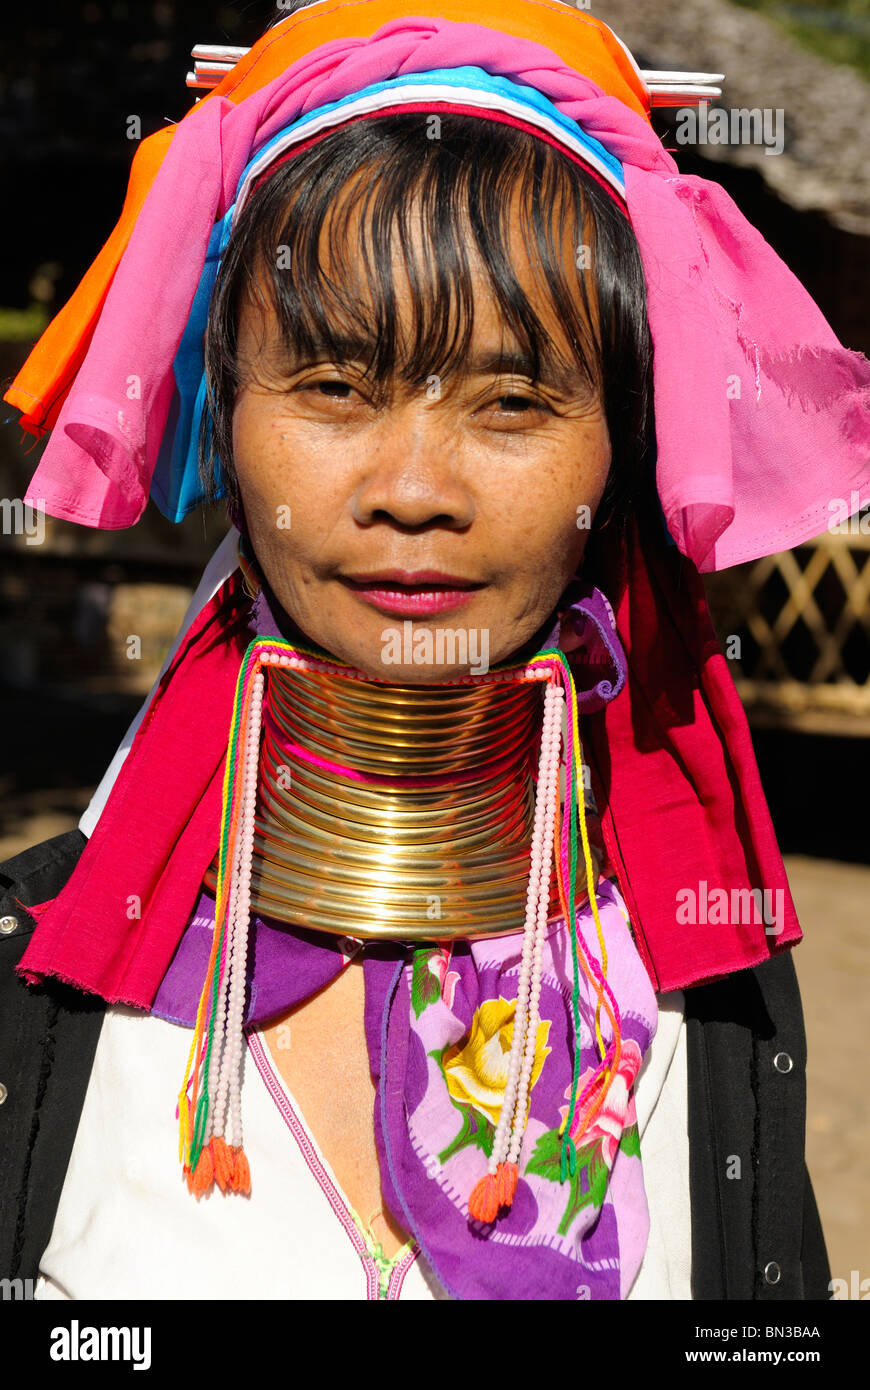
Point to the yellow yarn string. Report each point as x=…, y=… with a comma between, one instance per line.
x=563, y=899
x=187, y=1107
x=617, y=1035
x=597, y=985
x=590, y=888
x=584, y=836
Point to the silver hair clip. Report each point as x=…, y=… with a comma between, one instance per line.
x=212, y=62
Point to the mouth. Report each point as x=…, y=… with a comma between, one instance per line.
x=409, y=594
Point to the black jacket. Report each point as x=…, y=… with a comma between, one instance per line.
x=755, y=1228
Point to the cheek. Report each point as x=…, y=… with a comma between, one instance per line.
x=251, y=453
x=261, y=479
x=555, y=512
x=262, y=460
x=292, y=494
x=583, y=485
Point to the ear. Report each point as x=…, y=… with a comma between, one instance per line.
x=571, y=639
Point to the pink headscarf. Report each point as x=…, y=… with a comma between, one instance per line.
x=762, y=417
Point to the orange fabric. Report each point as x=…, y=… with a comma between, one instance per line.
x=583, y=41
x=43, y=382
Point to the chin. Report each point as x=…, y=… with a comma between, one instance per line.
x=410, y=672
x=421, y=675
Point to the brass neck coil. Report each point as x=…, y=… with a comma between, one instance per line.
x=395, y=812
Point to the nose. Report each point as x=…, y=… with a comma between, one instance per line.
x=410, y=473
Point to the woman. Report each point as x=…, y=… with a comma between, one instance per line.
x=408, y=334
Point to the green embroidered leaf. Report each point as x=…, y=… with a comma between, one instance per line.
x=476, y=1129
x=598, y=1174
x=545, y=1161
x=424, y=985
x=588, y=1184
x=630, y=1141
x=484, y=1136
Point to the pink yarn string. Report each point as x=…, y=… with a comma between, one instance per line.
x=511, y=1122
x=229, y=1033
x=589, y=958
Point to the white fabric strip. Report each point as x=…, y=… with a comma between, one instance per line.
x=435, y=94
x=216, y=572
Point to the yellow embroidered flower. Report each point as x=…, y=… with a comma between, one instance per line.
x=476, y=1073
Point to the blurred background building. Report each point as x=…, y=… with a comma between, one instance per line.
x=795, y=627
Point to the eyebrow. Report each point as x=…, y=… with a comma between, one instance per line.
x=567, y=378
x=564, y=377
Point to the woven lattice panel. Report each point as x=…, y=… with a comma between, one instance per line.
x=795, y=628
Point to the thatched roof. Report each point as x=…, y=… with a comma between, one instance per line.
x=824, y=163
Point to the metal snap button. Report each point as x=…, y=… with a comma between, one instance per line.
x=772, y=1272
x=783, y=1062
x=8, y=924
x=3, y=1093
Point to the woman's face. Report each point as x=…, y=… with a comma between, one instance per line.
x=460, y=507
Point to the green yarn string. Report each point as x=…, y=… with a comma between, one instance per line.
x=567, y=1151
x=567, y=1155
x=232, y=756
x=199, y=1120
x=567, y=1160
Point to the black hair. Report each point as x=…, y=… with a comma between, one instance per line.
x=463, y=179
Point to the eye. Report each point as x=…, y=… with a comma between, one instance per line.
x=333, y=388
x=516, y=404
x=325, y=392
x=514, y=407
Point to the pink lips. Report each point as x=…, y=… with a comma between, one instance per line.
x=409, y=594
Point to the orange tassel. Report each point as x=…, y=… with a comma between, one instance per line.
x=202, y=1178
x=241, y=1179
x=483, y=1204
x=222, y=1158
x=508, y=1176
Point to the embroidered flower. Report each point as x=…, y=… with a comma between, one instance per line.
x=447, y=979
x=618, y=1111
x=476, y=1073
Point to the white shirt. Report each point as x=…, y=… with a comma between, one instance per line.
x=127, y=1227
